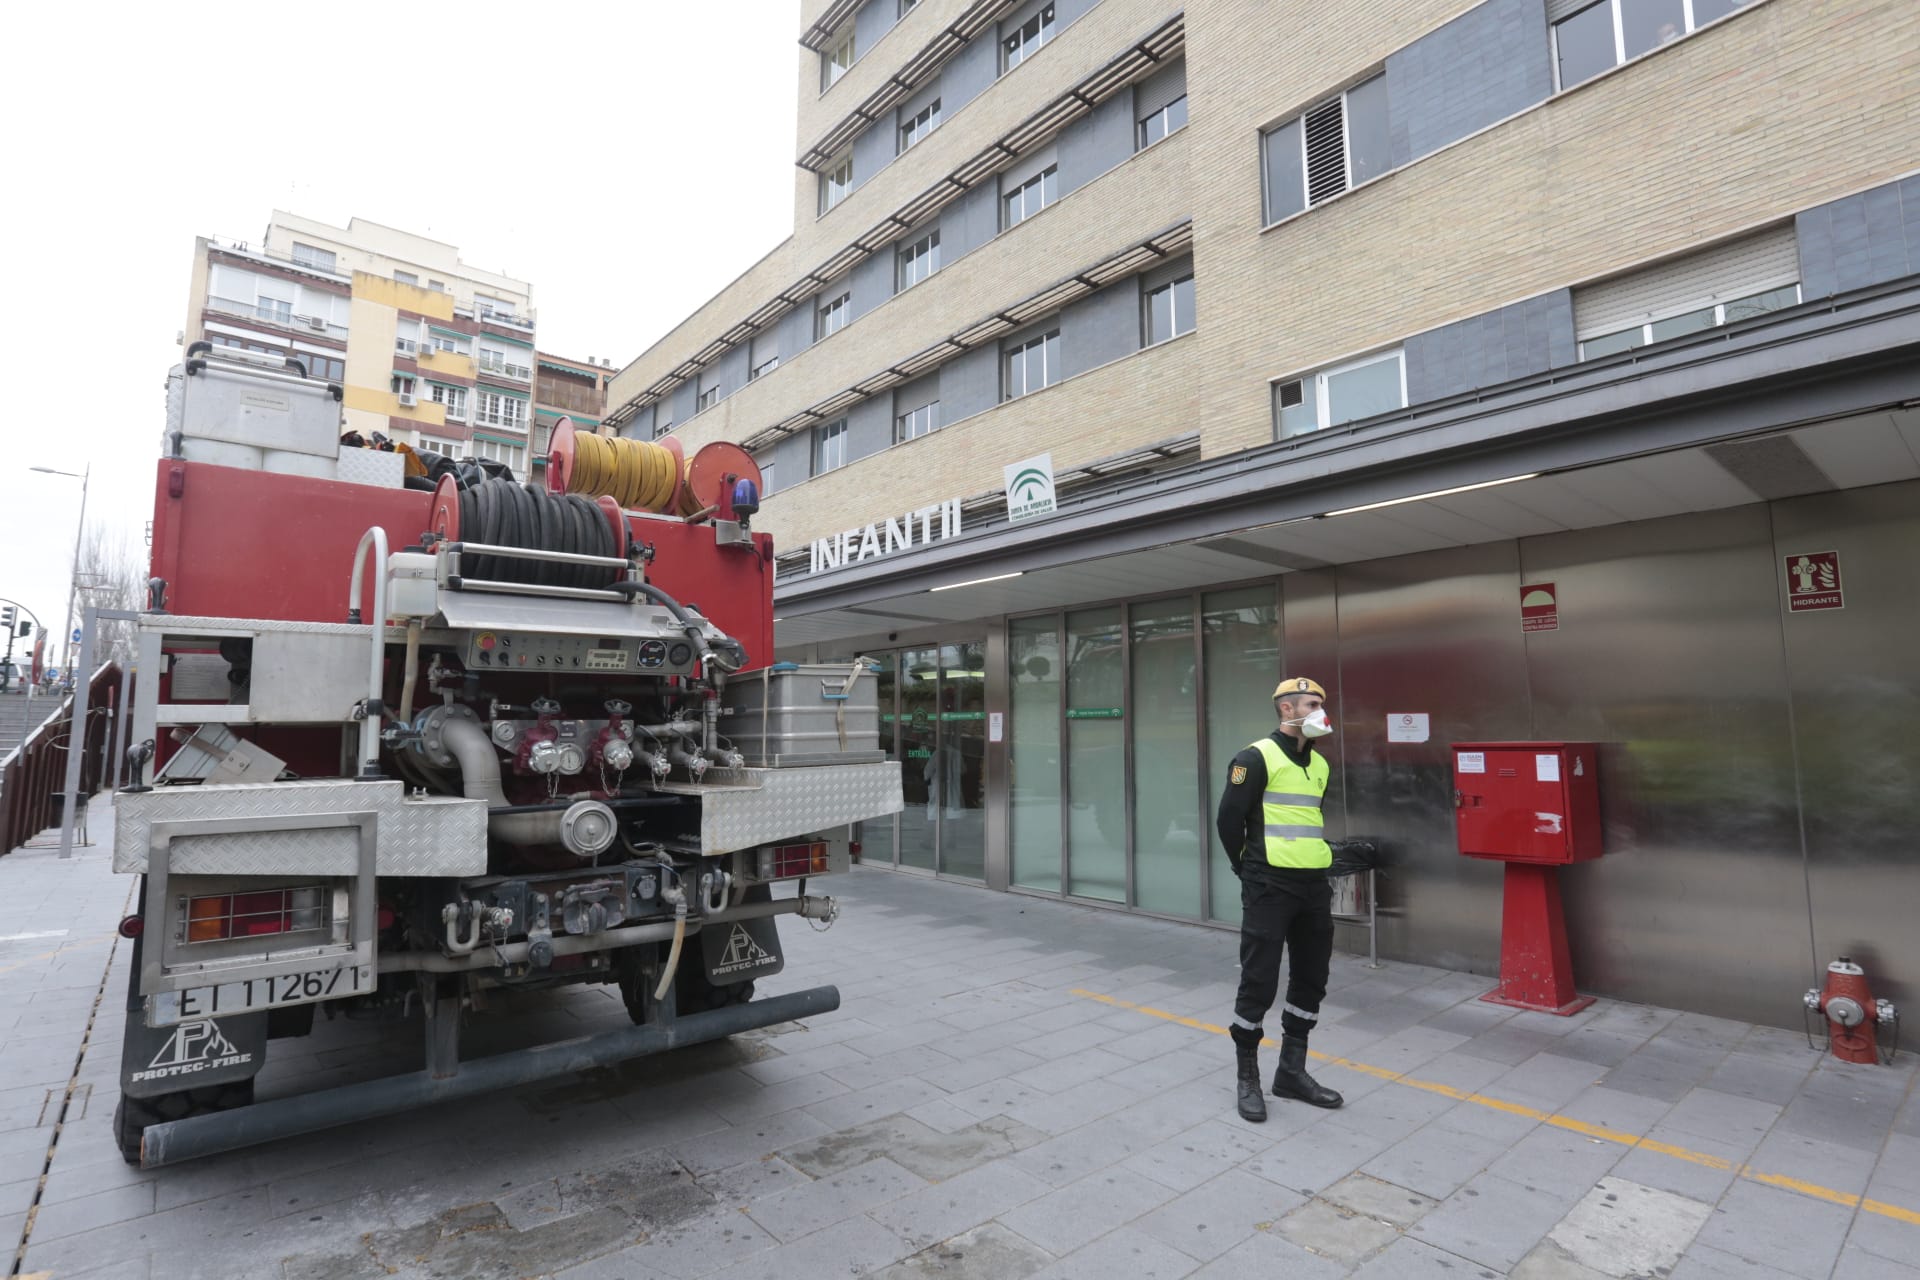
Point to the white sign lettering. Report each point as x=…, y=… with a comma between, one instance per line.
x=914, y=529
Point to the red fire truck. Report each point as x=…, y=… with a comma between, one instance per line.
x=401, y=748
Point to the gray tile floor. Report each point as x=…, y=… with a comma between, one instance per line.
x=1011, y=1088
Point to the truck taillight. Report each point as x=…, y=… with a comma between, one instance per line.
x=791, y=860
x=217, y=917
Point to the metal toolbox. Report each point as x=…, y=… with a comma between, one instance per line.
x=794, y=714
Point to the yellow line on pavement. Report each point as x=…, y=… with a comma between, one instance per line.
x=1599, y=1133
x=57, y=951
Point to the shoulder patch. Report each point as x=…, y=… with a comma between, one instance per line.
x=1238, y=776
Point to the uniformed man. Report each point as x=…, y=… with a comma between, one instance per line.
x=1271, y=827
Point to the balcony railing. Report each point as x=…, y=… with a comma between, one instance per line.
x=287, y=320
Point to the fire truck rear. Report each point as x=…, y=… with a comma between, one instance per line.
x=404, y=752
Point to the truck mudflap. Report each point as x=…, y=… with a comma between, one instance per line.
x=741, y=951
x=191, y=1055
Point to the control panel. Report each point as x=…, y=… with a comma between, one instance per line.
x=605, y=655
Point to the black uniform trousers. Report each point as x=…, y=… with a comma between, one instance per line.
x=1290, y=913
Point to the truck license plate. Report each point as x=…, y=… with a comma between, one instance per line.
x=251, y=994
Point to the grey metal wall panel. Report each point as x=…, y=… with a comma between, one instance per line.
x=1095, y=143
x=915, y=103
x=1860, y=240
x=1855, y=691
x=1310, y=646
x=1668, y=654
x=969, y=73
x=872, y=282
x=869, y=427
x=792, y=459
x=1483, y=66
x=970, y=384
x=733, y=369
x=1481, y=351
x=1101, y=328
x=970, y=221
x=873, y=151
x=640, y=426
x=796, y=331
x=685, y=397
x=871, y=21
x=1437, y=633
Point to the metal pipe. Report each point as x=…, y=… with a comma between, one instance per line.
x=569, y=944
x=263, y=1122
x=480, y=780
x=370, y=724
x=411, y=678
x=538, y=553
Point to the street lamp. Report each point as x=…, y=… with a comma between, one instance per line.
x=73, y=581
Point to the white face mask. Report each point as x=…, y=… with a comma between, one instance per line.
x=1315, y=725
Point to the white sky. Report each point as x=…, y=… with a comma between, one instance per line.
x=641, y=159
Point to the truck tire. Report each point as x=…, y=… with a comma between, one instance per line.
x=133, y=1115
x=694, y=992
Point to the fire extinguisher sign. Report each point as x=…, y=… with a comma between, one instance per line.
x=1813, y=581
x=1539, y=607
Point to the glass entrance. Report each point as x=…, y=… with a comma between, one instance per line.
x=933, y=721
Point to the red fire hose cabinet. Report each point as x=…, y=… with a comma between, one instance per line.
x=1534, y=806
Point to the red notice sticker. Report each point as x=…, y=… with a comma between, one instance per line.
x=1813, y=581
x=1540, y=607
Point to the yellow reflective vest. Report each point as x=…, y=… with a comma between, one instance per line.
x=1290, y=810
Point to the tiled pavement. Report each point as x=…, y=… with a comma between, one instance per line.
x=1011, y=1088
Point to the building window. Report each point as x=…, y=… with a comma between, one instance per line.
x=1160, y=123
x=829, y=446
x=1026, y=39
x=407, y=346
x=906, y=7
x=1710, y=316
x=498, y=360
x=1611, y=32
x=453, y=399
x=438, y=286
x=493, y=409
x=837, y=59
x=1345, y=393
x=441, y=342
x=330, y=368
x=1331, y=149
x=402, y=385
x=833, y=316
x=917, y=422
x=442, y=447
x=406, y=277
x=1031, y=196
x=1032, y=365
x=662, y=419
x=924, y=122
x=277, y=310
x=708, y=397
x=485, y=306
x=761, y=362
x=1168, y=310
x=766, y=478
x=919, y=259
x=319, y=259
x=836, y=182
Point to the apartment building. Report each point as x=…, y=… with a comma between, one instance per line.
x=566, y=388
x=428, y=351
x=1521, y=370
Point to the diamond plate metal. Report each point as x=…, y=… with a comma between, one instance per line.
x=433, y=836
x=780, y=804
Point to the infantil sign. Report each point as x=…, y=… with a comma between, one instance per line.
x=917, y=528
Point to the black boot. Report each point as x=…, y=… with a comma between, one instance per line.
x=1253, y=1106
x=1290, y=1078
